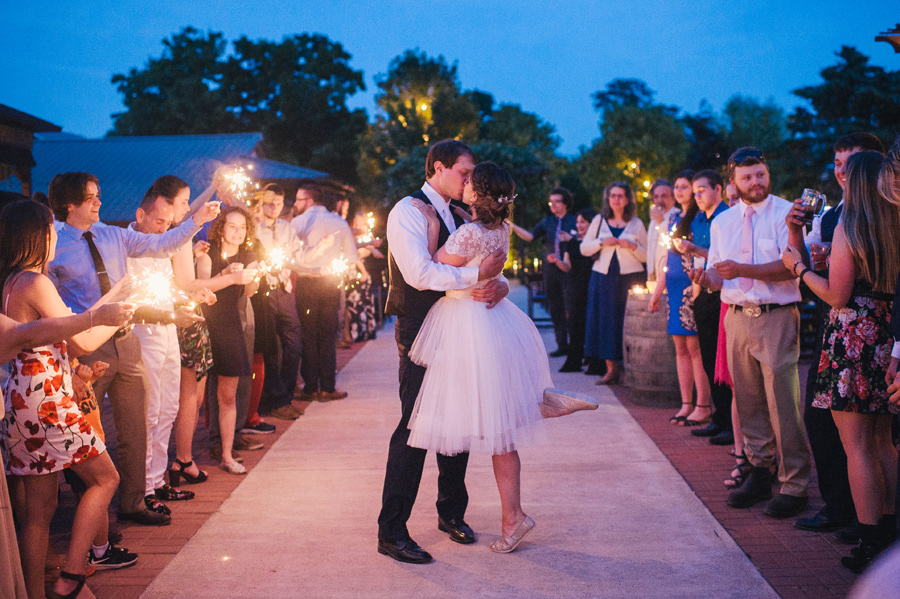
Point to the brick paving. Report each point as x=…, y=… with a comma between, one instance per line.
x=798, y=564
x=156, y=546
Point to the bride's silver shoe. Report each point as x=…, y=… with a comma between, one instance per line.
x=568, y=401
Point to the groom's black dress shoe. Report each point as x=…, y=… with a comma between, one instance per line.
x=404, y=551
x=459, y=531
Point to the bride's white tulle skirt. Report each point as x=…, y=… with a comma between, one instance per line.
x=487, y=371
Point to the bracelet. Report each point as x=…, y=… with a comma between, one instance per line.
x=803, y=272
x=794, y=267
x=91, y=314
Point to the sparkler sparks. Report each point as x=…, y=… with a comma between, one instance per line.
x=240, y=184
x=155, y=289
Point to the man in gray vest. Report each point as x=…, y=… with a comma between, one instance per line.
x=416, y=283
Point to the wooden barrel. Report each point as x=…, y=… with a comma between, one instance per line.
x=650, y=370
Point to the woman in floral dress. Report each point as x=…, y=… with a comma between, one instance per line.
x=856, y=348
x=43, y=430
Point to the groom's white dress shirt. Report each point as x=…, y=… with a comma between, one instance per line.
x=407, y=234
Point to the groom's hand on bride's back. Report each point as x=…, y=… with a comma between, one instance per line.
x=492, y=293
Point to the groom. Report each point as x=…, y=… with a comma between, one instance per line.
x=416, y=284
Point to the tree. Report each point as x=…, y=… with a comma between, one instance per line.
x=750, y=123
x=639, y=141
x=853, y=96
x=709, y=149
x=294, y=91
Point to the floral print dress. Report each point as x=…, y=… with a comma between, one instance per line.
x=44, y=429
x=856, y=352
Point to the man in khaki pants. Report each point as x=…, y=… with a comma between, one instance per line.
x=762, y=330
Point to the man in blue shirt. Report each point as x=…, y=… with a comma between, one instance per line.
x=557, y=228
x=90, y=257
x=707, y=186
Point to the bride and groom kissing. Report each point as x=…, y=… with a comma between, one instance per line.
x=473, y=373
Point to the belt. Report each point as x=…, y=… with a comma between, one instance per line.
x=755, y=310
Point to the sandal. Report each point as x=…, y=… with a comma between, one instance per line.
x=508, y=543
x=739, y=472
x=155, y=505
x=690, y=422
x=170, y=493
x=679, y=420
x=79, y=578
x=175, y=476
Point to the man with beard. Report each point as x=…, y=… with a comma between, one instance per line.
x=762, y=327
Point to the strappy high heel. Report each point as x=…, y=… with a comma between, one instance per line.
x=175, y=476
x=679, y=420
x=79, y=578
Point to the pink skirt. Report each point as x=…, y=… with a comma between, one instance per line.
x=722, y=375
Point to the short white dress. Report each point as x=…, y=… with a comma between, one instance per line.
x=486, y=369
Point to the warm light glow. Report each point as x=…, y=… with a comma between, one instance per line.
x=154, y=289
x=633, y=166
x=646, y=184
x=639, y=290
x=424, y=107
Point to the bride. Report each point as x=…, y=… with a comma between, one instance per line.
x=487, y=383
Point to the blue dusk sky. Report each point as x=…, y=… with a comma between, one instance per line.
x=548, y=57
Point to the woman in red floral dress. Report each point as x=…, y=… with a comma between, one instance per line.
x=44, y=430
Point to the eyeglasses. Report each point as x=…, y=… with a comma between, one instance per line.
x=744, y=155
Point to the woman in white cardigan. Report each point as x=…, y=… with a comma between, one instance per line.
x=621, y=238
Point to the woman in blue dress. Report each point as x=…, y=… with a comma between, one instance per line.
x=681, y=294
x=621, y=238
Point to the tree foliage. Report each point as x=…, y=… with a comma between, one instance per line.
x=294, y=91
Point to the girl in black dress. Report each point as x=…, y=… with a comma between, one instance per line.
x=229, y=253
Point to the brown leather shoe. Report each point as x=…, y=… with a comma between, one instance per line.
x=285, y=413
x=330, y=395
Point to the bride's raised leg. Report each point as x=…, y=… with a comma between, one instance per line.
x=558, y=402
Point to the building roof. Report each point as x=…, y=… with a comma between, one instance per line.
x=23, y=120
x=128, y=166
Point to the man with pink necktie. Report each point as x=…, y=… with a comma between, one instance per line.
x=762, y=328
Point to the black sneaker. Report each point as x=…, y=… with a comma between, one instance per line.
x=262, y=428
x=113, y=559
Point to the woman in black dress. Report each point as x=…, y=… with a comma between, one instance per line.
x=229, y=252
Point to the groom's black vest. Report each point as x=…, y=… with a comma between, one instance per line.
x=403, y=299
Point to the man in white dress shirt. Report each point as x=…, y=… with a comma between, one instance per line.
x=763, y=341
x=416, y=283
x=318, y=295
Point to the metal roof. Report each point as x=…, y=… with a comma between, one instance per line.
x=128, y=166
x=23, y=120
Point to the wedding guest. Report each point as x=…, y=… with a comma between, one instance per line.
x=681, y=294
x=857, y=341
x=279, y=240
x=38, y=396
x=555, y=229
x=763, y=330
x=707, y=187
x=193, y=341
x=90, y=258
x=889, y=186
x=828, y=453
x=621, y=239
x=361, y=320
x=318, y=296
x=157, y=331
x=229, y=252
x=579, y=269
x=664, y=207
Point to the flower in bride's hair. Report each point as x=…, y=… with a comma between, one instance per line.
x=507, y=200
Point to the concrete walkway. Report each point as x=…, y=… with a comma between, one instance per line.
x=614, y=518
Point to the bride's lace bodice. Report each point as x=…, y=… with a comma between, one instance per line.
x=475, y=242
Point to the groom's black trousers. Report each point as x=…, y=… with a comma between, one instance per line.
x=405, y=463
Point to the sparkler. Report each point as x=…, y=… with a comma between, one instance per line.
x=155, y=289
x=240, y=185
x=366, y=237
